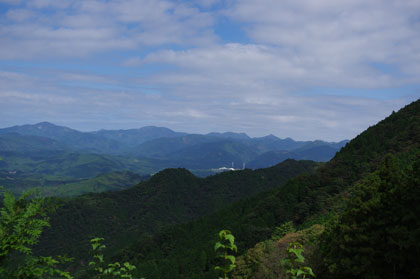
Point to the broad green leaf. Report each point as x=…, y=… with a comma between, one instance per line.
x=218, y=245
x=230, y=258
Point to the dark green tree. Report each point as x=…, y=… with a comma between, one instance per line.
x=377, y=235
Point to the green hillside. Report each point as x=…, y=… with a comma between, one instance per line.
x=170, y=197
x=113, y=181
x=76, y=165
x=357, y=215
x=186, y=251
x=50, y=185
x=13, y=142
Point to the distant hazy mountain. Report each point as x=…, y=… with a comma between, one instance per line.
x=163, y=147
x=230, y=135
x=79, y=140
x=133, y=137
x=270, y=158
x=215, y=155
x=168, y=148
x=273, y=143
x=321, y=153
x=14, y=142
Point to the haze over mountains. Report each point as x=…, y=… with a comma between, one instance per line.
x=190, y=150
x=56, y=157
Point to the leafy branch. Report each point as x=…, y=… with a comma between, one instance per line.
x=293, y=263
x=22, y=221
x=223, y=248
x=112, y=270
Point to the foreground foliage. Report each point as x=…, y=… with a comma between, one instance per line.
x=111, y=270
x=224, y=249
x=21, y=223
x=293, y=263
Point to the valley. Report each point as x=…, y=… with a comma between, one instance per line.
x=56, y=156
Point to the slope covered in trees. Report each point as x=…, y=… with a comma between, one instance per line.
x=364, y=204
x=170, y=197
x=377, y=234
x=185, y=251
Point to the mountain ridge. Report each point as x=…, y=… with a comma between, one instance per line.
x=168, y=148
x=304, y=200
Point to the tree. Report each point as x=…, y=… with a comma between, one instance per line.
x=21, y=223
x=377, y=235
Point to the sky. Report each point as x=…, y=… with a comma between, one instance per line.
x=308, y=69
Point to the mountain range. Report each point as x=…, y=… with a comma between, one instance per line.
x=62, y=161
x=192, y=151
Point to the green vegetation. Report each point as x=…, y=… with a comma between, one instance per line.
x=74, y=165
x=305, y=200
x=50, y=185
x=377, y=234
x=170, y=197
x=112, y=270
x=224, y=248
x=358, y=216
x=21, y=223
x=293, y=263
x=282, y=230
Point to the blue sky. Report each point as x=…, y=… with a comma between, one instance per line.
x=310, y=69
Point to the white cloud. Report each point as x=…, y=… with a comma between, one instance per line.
x=337, y=37
x=19, y=14
x=165, y=65
x=10, y=2
x=78, y=28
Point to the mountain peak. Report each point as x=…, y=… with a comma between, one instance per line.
x=49, y=125
x=229, y=135
x=45, y=123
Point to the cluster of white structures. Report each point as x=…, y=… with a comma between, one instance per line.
x=228, y=169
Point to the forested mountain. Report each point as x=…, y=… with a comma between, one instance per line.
x=24, y=144
x=50, y=156
x=230, y=135
x=319, y=153
x=75, y=165
x=170, y=197
x=134, y=137
x=66, y=186
x=186, y=250
x=215, y=154
x=72, y=138
x=163, y=147
x=32, y=161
